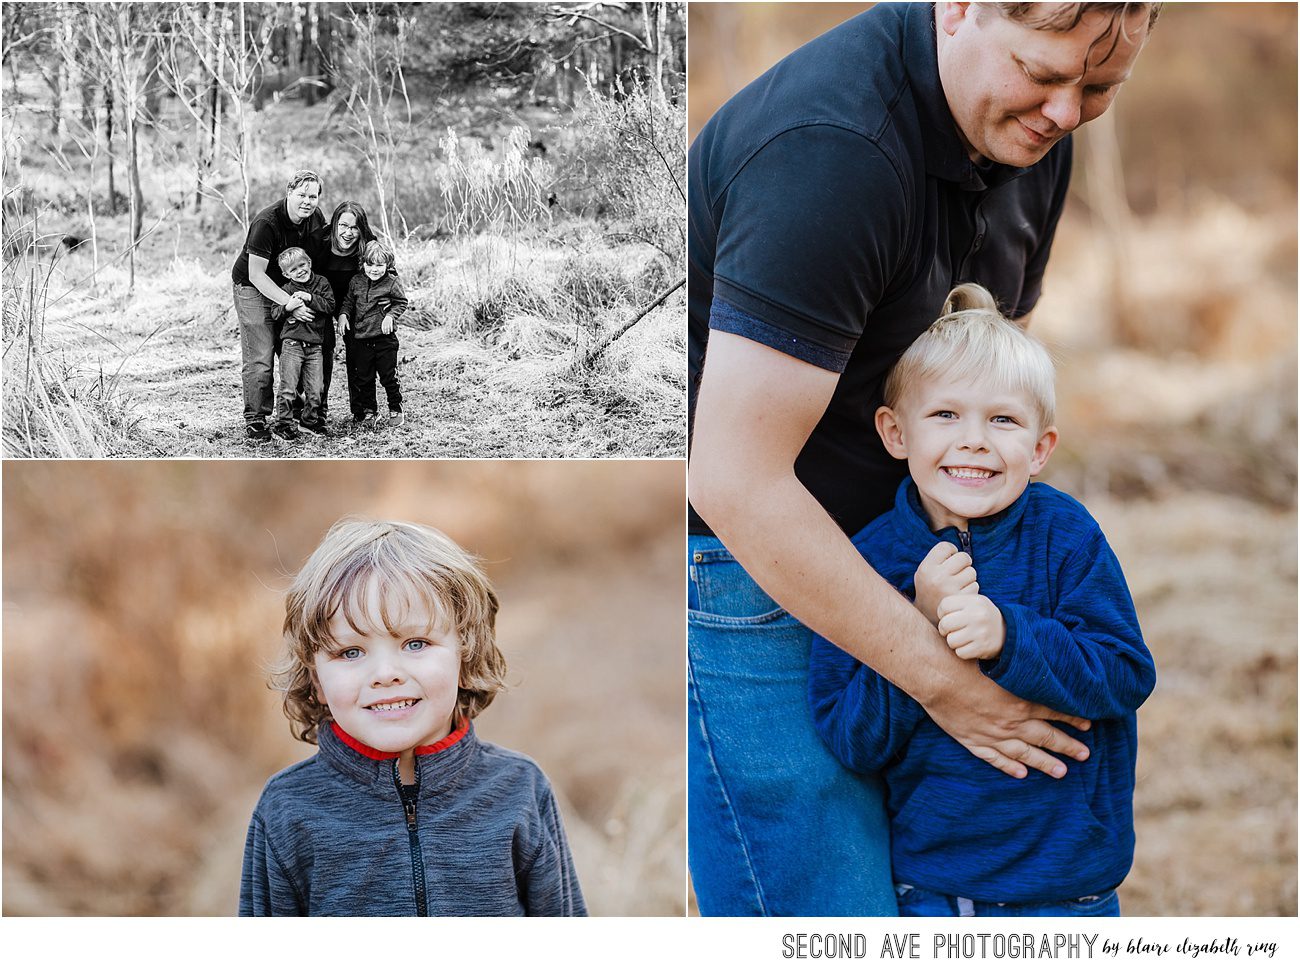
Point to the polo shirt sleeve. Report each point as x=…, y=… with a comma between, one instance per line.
x=809, y=234
x=261, y=239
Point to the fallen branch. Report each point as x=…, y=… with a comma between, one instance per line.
x=603, y=346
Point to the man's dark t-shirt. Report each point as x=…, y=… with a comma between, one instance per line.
x=832, y=206
x=271, y=233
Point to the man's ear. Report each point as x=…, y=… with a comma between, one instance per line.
x=1043, y=450
x=949, y=16
x=890, y=432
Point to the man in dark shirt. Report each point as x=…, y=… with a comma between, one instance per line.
x=258, y=284
x=833, y=204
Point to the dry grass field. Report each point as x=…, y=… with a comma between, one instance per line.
x=142, y=602
x=1172, y=317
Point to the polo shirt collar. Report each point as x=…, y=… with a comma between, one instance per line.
x=945, y=155
x=986, y=535
x=438, y=766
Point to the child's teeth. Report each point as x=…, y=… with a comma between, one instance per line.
x=393, y=705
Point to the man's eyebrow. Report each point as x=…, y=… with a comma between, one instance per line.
x=1047, y=75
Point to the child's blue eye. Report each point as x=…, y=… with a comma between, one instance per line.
x=351, y=653
x=417, y=644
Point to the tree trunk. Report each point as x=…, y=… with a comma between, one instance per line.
x=108, y=142
x=309, y=56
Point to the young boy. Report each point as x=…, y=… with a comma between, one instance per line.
x=371, y=309
x=1034, y=596
x=391, y=652
x=304, y=322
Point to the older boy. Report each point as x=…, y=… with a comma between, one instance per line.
x=1035, y=597
x=302, y=333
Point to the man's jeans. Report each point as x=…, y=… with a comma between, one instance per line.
x=915, y=902
x=299, y=360
x=257, y=340
x=776, y=825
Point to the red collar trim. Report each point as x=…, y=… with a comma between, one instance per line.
x=374, y=753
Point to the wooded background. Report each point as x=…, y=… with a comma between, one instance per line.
x=527, y=160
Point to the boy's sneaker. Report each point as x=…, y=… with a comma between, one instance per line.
x=257, y=431
x=395, y=418
x=371, y=420
x=316, y=428
x=285, y=431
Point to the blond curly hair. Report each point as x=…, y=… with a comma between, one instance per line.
x=411, y=563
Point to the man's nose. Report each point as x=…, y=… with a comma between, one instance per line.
x=1064, y=107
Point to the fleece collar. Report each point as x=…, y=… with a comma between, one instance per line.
x=987, y=535
x=438, y=765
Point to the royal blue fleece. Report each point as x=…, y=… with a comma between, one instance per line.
x=957, y=825
x=329, y=837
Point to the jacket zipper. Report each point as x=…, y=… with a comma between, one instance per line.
x=413, y=835
x=964, y=536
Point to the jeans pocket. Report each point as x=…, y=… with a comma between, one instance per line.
x=722, y=594
x=1102, y=905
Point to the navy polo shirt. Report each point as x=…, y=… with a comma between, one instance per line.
x=832, y=206
x=271, y=233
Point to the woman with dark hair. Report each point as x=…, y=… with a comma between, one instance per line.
x=336, y=255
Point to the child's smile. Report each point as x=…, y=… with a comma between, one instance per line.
x=391, y=686
x=300, y=273
x=374, y=271
x=970, y=449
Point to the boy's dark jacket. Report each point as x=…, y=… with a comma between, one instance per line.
x=957, y=825
x=321, y=305
x=330, y=836
x=369, y=301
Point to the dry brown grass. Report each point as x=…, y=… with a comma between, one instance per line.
x=141, y=604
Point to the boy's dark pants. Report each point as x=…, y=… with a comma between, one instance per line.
x=368, y=356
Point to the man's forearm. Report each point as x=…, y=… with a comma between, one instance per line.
x=795, y=552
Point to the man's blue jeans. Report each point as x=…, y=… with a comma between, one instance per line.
x=915, y=902
x=299, y=361
x=257, y=339
x=777, y=827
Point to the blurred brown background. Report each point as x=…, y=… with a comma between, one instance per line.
x=142, y=601
x=1170, y=306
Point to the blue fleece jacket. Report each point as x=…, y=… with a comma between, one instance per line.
x=958, y=825
x=478, y=835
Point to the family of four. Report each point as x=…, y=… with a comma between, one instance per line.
x=892, y=630
x=298, y=282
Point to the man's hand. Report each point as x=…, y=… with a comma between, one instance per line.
x=945, y=572
x=973, y=626
x=1007, y=732
x=386, y=325
x=343, y=323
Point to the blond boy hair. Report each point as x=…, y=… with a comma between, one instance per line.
x=970, y=339
x=412, y=564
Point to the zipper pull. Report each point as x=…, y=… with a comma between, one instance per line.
x=410, y=813
x=965, y=542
